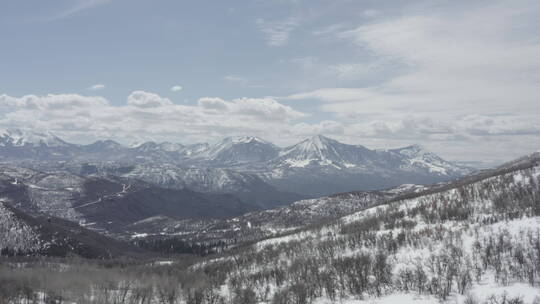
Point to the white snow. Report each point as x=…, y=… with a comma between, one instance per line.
x=19, y=138
x=139, y=235
x=399, y=298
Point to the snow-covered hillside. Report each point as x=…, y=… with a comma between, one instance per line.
x=466, y=242
x=15, y=235
x=474, y=240
x=263, y=224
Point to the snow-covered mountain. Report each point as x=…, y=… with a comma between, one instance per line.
x=16, y=144
x=416, y=156
x=249, y=187
x=320, y=166
x=24, y=138
x=316, y=166
x=244, y=150
x=320, y=151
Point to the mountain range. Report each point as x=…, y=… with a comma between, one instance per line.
x=316, y=166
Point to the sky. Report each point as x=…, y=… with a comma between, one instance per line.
x=461, y=78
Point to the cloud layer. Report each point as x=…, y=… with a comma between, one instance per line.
x=144, y=116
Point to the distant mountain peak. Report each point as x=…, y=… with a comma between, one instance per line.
x=317, y=140
x=319, y=150
x=153, y=146
x=135, y=144
x=241, y=149
x=320, y=137
x=170, y=147
x=107, y=144
x=411, y=150
x=21, y=137
x=244, y=140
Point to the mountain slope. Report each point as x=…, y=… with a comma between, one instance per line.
x=261, y=224
x=107, y=203
x=22, y=234
x=248, y=187
x=476, y=239
x=242, y=150
x=416, y=157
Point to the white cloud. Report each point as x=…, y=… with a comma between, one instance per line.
x=97, y=87
x=262, y=108
x=277, y=33
x=147, y=115
x=51, y=102
x=334, y=94
x=452, y=62
x=147, y=100
x=213, y=103
x=266, y=108
x=177, y=88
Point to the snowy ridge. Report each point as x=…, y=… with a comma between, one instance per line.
x=21, y=138
x=243, y=149
x=198, y=179
x=417, y=156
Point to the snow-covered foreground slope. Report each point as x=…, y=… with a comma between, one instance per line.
x=468, y=242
